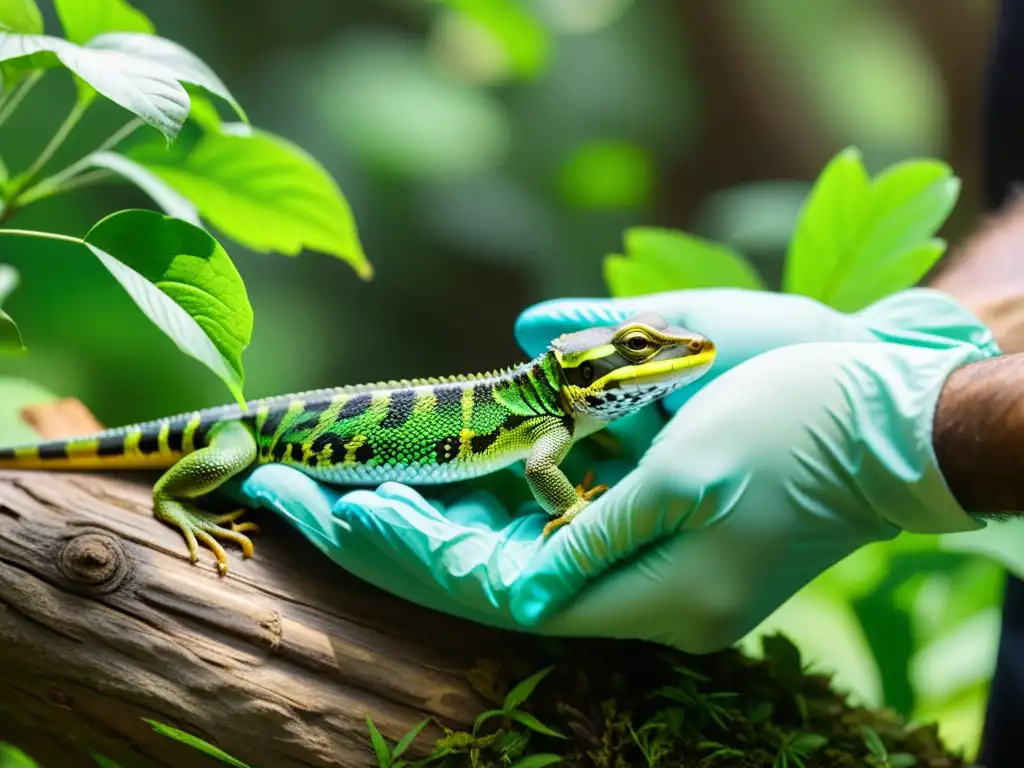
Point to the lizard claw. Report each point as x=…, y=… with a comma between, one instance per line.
x=585, y=494
x=584, y=491
x=202, y=528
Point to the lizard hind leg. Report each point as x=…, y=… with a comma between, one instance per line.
x=231, y=448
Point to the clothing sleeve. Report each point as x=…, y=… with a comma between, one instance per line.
x=1003, y=150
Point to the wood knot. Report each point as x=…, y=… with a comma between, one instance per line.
x=94, y=560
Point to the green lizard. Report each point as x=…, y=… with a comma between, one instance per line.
x=418, y=432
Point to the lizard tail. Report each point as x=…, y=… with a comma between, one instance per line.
x=153, y=445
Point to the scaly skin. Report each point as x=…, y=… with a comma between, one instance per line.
x=417, y=432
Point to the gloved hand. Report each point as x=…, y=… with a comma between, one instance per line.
x=783, y=460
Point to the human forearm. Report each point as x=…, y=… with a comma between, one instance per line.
x=986, y=275
x=978, y=435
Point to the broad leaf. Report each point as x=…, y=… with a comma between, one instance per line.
x=522, y=691
x=894, y=271
x=858, y=240
x=194, y=741
x=663, y=260
x=263, y=192
x=85, y=19
x=184, y=282
x=163, y=195
x=21, y=16
x=831, y=218
x=186, y=66
x=145, y=88
x=909, y=202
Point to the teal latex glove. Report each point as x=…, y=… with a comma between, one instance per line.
x=808, y=440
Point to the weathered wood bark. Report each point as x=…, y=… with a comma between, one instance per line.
x=103, y=622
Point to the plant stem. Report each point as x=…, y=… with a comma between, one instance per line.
x=19, y=94
x=43, y=235
x=55, y=143
x=42, y=191
x=62, y=180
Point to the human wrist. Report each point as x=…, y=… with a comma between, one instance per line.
x=978, y=435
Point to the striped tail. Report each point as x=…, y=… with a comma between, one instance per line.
x=151, y=445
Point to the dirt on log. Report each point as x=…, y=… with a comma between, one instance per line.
x=104, y=623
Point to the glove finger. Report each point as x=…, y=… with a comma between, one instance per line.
x=303, y=502
x=630, y=516
x=461, y=568
x=479, y=510
x=538, y=325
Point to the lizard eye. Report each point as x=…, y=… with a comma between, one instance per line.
x=587, y=372
x=637, y=343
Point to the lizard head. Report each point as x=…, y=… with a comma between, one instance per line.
x=612, y=371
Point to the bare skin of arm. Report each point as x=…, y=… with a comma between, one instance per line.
x=978, y=432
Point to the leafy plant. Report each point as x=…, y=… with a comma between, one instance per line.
x=507, y=743
x=194, y=741
x=387, y=757
x=257, y=188
x=881, y=755
x=856, y=240
x=796, y=747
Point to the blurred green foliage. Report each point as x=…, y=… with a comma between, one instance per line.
x=493, y=155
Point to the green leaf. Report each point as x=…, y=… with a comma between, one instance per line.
x=12, y=757
x=9, y=280
x=485, y=716
x=183, y=281
x=21, y=16
x=15, y=395
x=532, y=723
x=538, y=761
x=186, y=66
x=901, y=270
x=785, y=658
x=193, y=741
x=263, y=192
x=145, y=88
x=659, y=260
x=874, y=743
x=523, y=690
x=380, y=747
x=830, y=218
x=858, y=240
x=523, y=38
x=169, y=200
x=10, y=336
x=409, y=738
x=806, y=743
x=85, y=19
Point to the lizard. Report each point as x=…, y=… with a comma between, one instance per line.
x=414, y=431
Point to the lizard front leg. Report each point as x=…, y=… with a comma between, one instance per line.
x=552, y=489
x=231, y=449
